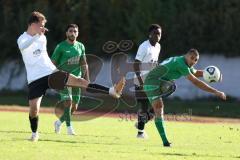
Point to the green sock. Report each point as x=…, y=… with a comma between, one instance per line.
x=159, y=122
x=67, y=113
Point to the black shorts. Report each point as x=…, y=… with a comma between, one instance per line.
x=56, y=80
x=38, y=88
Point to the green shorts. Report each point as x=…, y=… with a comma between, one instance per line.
x=158, y=88
x=70, y=93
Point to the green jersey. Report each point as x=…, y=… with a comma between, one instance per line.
x=171, y=69
x=67, y=57
x=158, y=81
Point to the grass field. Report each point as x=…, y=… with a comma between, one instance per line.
x=111, y=138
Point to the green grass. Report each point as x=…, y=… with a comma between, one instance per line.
x=112, y=138
x=22, y=100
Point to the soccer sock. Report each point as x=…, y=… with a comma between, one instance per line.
x=159, y=122
x=143, y=114
x=33, y=123
x=142, y=119
x=67, y=113
x=96, y=88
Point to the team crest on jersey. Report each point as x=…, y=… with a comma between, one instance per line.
x=36, y=52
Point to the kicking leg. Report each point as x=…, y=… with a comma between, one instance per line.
x=60, y=79
x=114, y=91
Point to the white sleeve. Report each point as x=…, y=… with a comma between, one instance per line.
x=141, y=53
x=24, y=43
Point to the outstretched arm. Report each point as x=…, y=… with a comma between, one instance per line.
x=202, y=85
x=199, y=73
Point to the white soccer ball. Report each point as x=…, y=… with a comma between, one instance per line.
x=212, y=74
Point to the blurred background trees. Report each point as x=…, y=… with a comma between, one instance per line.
x=212, y=26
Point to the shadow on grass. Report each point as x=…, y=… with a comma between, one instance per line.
x=10, y=131
x=76, y=142
x=195, y=155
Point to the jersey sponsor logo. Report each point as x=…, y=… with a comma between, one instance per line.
x=36, y=53
x=73, y=60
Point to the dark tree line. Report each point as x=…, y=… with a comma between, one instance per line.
x=212, y=26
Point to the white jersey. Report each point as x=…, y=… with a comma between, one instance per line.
x=148, y=55
x=35, y=56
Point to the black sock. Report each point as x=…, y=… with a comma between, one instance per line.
x=142, y=119
x=33, y=123
x=96, y=88
x=141, y=125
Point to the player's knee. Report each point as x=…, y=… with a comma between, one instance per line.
x=157, y=105
x=67, y=103
x=74, y=106
x=33, y=113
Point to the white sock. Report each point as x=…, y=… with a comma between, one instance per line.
x=35, y=133
x=141, y=131
x=59, y=122
x=113, y=93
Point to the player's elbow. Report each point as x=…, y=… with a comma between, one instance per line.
x=20, y=46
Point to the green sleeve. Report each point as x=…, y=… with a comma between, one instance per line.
x=83, y=50
x=56, y=54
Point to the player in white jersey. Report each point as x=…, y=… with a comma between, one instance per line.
x=42, y=74
x=145, y=60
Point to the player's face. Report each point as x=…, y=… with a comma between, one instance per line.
x=39, y=27
x=155, y=35
x=72, y=34
x=192, y=60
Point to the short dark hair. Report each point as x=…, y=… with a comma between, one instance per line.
x=193, y=51
x=153, y=27
x=36, y=17
x=72, y=25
